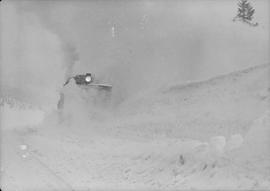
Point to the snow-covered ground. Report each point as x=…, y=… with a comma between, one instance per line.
x=212, y=134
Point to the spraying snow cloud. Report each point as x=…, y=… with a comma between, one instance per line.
x=133, y=45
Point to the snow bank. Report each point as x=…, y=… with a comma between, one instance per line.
x=19, y=115
x=257, y=140
x=234, y=142
x=255, y=145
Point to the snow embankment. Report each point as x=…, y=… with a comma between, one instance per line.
x=224, y=105
x=257, y=140
x=16, y=114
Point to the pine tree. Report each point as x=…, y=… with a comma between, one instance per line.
x=245, y=12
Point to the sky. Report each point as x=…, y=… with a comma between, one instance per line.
x=134, y=45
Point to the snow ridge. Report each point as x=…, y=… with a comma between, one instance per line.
x=234, y=75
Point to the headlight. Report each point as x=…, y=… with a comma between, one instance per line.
x=88, y=78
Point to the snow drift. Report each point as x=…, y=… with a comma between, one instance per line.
x=257, y=139
x=16, y=114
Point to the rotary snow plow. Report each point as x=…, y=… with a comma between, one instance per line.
x=84, y=87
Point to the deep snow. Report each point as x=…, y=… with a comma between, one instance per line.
x=201, y=135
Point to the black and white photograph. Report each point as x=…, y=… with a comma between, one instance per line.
x=134, y=95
